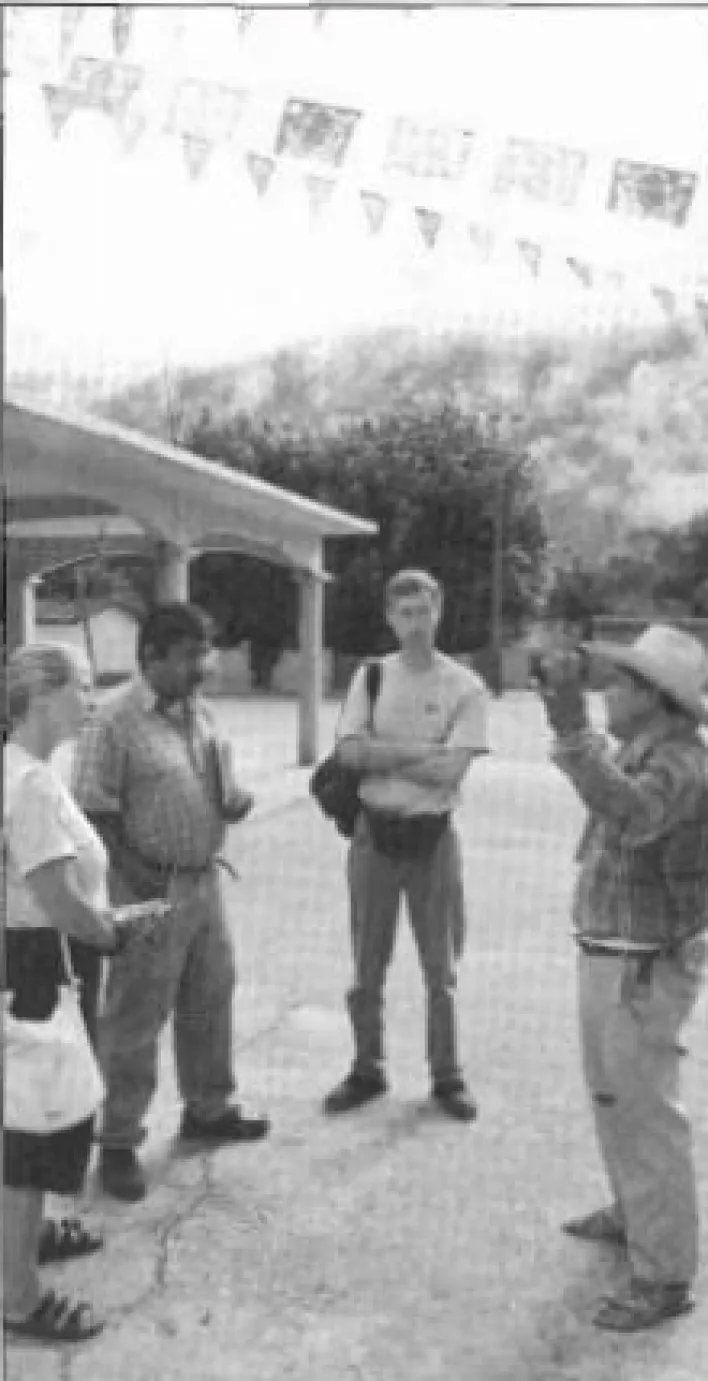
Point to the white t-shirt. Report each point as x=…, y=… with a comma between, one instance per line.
x=42, y=824
x=446, y=705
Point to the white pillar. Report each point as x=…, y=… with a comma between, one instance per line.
x=28, y=624
x=310, y=659
x=172, y=572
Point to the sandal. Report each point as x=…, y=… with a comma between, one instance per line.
x=57, y=1320
x=644, y=1306
x=65, y=1240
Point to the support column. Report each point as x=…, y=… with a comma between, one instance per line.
x=29, y=608
x=172, y=572
x=310, y=658
x=20, y=624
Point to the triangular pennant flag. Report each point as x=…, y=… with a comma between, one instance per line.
x=666, y=299
x=261, y=170
x=482, y=240
x=196, y=153
x=245, y=19
x=132, y=129
x=581, y=269
x=531, y=255
x=319, y=191
x=375, y=206
x=122, y=26
x=60, y=103
x=429, y=223
x=71, y=16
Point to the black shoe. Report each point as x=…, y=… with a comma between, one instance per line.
x=354, y=1092
x=456, y=1102
x=121, y=1174
x=231, y=1126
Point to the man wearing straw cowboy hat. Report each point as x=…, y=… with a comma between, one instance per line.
x=641, y=916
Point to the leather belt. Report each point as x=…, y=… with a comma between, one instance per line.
x=177, y=870
x=597, y=950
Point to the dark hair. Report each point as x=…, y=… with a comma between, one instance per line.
x=168, y=624
x=412, y=582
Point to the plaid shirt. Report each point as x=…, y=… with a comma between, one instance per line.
x=158, y=770
x=644, y=853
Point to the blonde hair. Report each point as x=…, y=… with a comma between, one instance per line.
x=412, y=582
x=33, y=670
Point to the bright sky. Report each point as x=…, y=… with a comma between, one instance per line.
x=122, y=261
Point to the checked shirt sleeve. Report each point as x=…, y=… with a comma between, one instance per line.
x=646, y=806
x=98, y=768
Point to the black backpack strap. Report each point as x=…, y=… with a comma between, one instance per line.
x=374, y=672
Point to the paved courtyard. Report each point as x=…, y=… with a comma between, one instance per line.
x=391, y=1245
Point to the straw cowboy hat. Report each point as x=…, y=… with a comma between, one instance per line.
x=667, y=658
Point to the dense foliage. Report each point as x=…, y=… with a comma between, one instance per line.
x=433, y=485
x=604, y=453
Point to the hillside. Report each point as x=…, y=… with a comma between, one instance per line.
x=617, y=423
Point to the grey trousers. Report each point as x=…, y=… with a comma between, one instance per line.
x=631, y=1057
x=434, y=895
x=187, y=969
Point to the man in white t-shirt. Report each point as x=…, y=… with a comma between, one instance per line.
x=429, y=722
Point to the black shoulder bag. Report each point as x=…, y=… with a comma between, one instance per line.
x=335, y=787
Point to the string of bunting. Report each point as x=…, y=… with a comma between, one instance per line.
x=205, y=115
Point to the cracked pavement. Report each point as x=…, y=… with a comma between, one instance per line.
x=391, y=1245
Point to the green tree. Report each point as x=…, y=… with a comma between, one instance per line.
x=432, y=484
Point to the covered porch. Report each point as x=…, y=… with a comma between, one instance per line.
x=72, y=481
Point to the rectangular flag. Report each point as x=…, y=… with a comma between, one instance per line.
x=206, y=110
x=319, y=132
x=652, y=192
x=105, y=86
x=422, y=150
x=544, y=172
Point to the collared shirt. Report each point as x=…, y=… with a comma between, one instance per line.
x=158, y=769
x=445, y=706
x=644, y=853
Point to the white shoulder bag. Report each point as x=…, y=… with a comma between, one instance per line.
x=51, y=1078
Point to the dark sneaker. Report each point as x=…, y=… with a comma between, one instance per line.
x=121, y=1175
x=456, y=1102
x=644, y=1304
x=231, y=1126
x=354, y=1092
x=604, y=1225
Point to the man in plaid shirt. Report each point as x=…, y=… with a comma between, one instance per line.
x=641, y=916
x=154, y=779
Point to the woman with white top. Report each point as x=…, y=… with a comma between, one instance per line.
x=56, y=884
